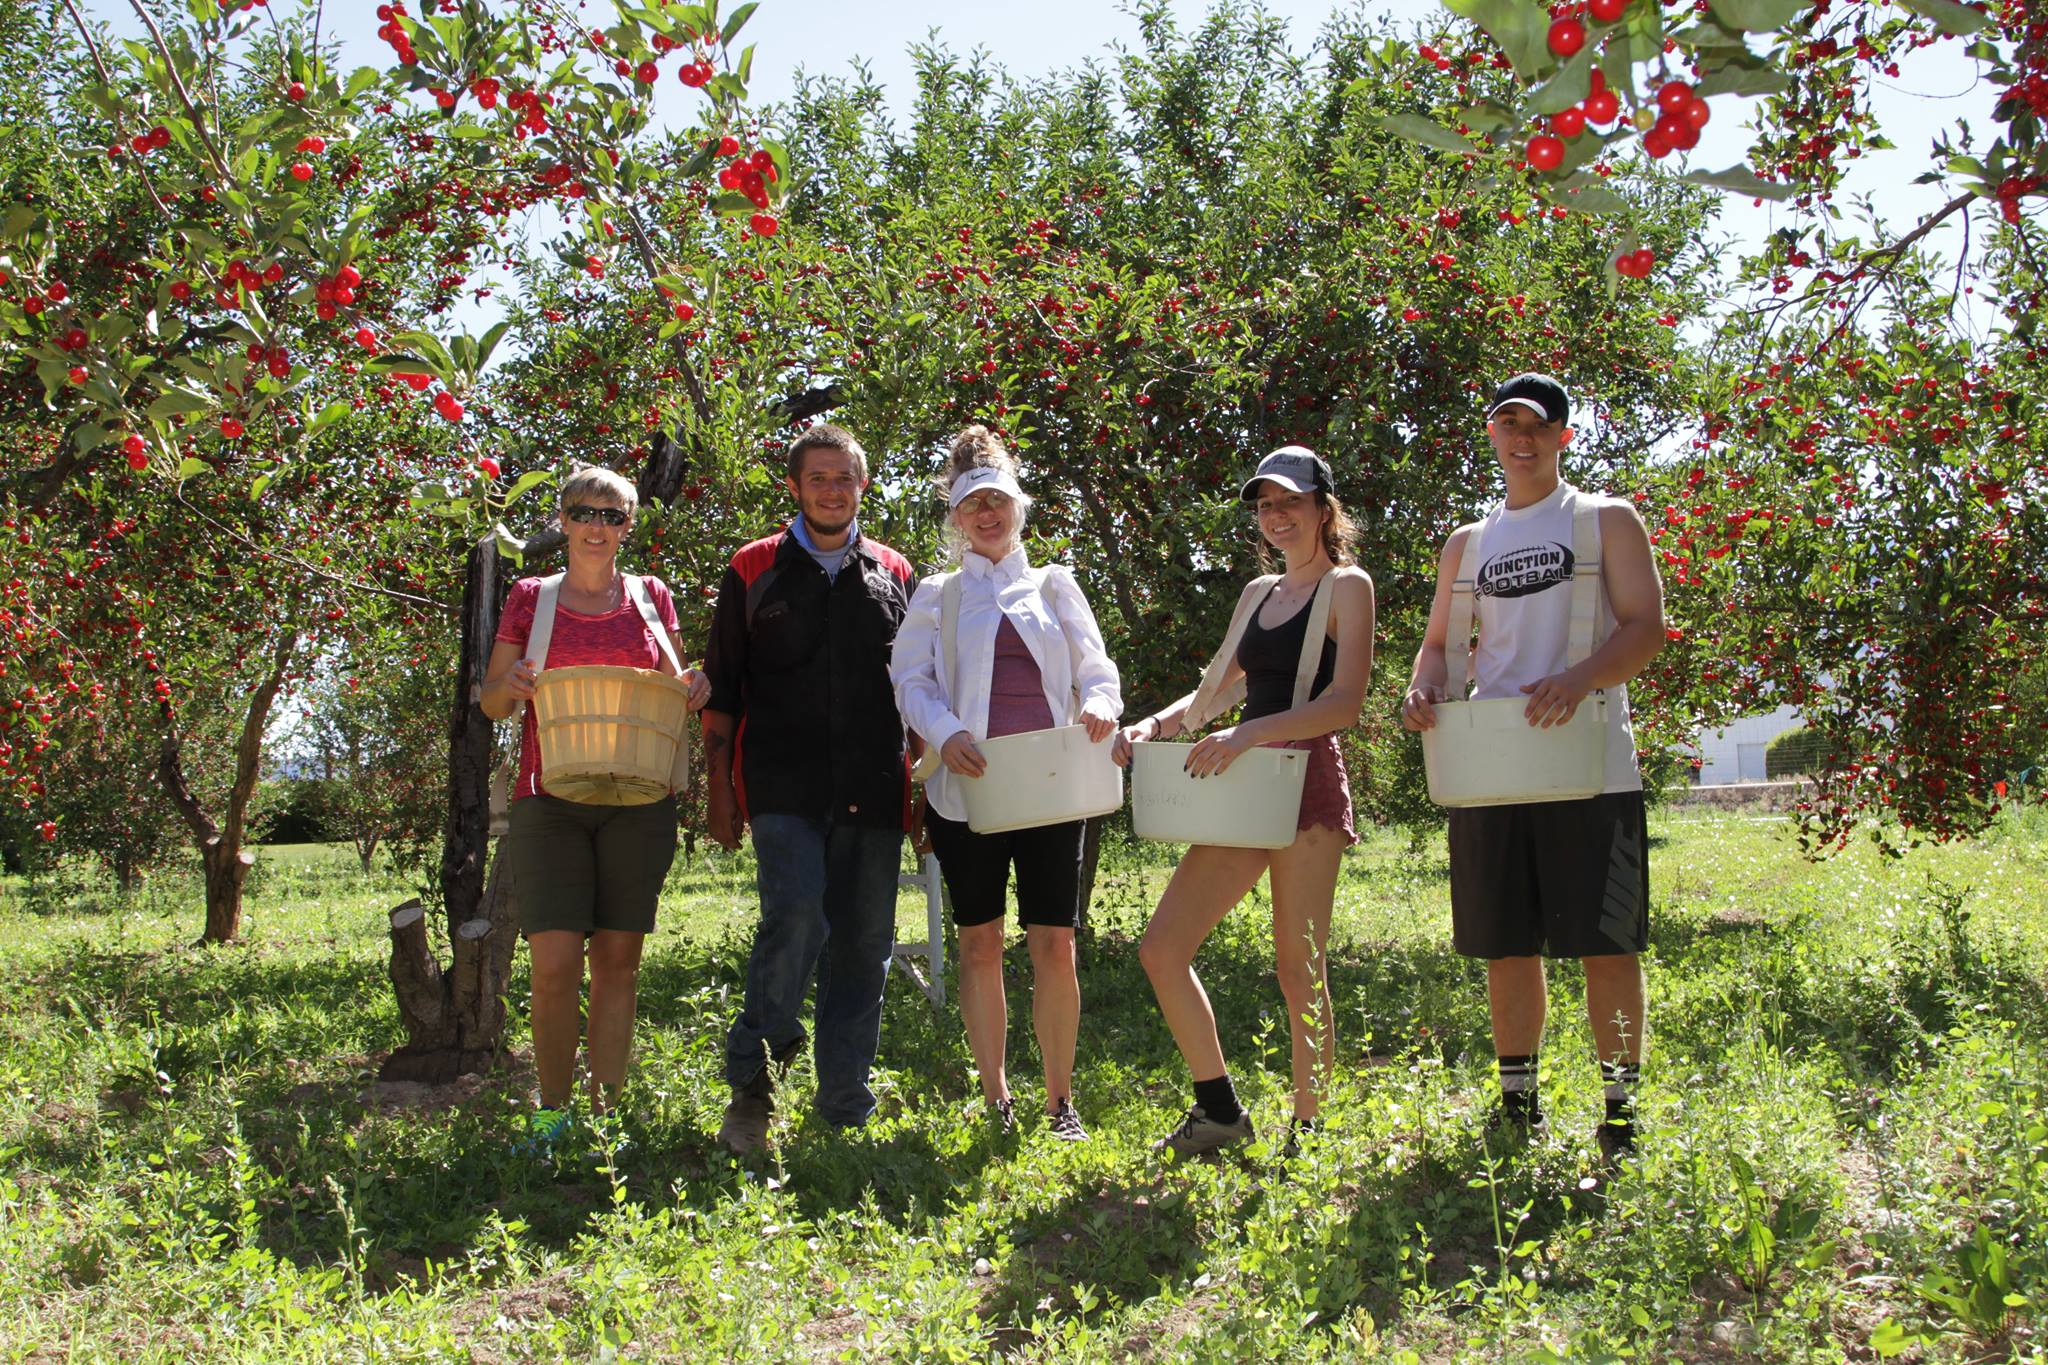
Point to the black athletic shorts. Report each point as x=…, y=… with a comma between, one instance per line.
x=1551, y=878
x=976, y=868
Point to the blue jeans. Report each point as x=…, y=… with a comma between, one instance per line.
x=828, y=907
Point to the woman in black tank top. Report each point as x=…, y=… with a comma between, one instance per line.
x=1299, y=516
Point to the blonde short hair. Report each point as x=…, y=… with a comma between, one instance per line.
x=601, y=484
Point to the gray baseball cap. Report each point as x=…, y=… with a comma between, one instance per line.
x=1292, y=467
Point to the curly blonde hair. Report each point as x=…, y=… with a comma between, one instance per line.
x=976, y=447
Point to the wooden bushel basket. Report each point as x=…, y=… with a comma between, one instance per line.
x=609, y=735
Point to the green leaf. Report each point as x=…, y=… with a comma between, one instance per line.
x=175, y=401
x=258, y=484
x=363, y=79
x=1520, y=27
x=490, y=342
x=329, y=415
x=1596, y=199
x=1572, y=83
x=731, y=26
x=509, y=545
x=1741, y=180
x=1426, y=131
x=1743, y=76
x=1948, y=16
x=189, y=466
x=1759, y=16
x=533, y=478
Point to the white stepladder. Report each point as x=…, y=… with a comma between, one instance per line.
x=931, y=978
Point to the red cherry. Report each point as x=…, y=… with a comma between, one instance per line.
x=295, y=91
x=1546, y=153
x=1697, y=114
x=31, y=305
x=366, y=338
x=48, y=829
x=272, y=273
x=728, y=146
x=78, y=374
x=180, y=290
x=1568, y=123
x=489, y=466
x=230, y=428
x=348, y=277
x=1674, y=96
x=764, y=225
x=58, y=291
x=134, y=446
x=1607, y=11
x=1657, y=143
x=684, y=312
x=1602, y=107
x=313, y=145
x=1567, y=36
x=301, y=171
x=647, y=73
x=416, y=382
x=73, y=340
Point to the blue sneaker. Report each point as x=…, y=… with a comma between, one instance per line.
x=546, y=1130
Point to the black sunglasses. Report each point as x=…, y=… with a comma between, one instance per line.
x=583, y=514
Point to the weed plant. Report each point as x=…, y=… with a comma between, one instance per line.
x=1844, y=1142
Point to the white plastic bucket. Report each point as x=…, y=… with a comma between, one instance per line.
x=1254, y=803
x=1486, y=753
x=1041, y=777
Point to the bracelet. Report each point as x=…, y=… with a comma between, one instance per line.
x=1158, y=727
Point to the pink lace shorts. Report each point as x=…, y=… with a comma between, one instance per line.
x=1326, y=788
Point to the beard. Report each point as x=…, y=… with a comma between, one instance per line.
x=821, y=523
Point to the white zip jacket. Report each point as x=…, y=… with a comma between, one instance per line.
x=1047, y=610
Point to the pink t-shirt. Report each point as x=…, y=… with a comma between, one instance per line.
x=617, y=637
x=1016, y=689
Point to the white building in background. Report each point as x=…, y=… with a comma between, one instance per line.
x=1736, y=754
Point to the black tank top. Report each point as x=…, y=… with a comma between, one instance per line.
x=1269, y=659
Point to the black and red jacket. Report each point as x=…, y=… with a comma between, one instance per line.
x=801, y=663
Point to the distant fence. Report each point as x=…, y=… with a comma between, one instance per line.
x=1773, y=796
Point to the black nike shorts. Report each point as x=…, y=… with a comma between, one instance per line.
x=1551, y=878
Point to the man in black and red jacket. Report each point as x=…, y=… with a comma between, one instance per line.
x=804, y=743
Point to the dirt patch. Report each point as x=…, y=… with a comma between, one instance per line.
x=833, y=1335
x=467, y=1091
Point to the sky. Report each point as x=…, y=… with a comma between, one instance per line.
x=824, y=37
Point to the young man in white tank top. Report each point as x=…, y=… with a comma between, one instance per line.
x=1556, y=878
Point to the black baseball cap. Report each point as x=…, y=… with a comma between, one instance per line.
x=1296, y=468
x=1539, y=393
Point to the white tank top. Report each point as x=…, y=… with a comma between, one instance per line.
x=1523, y=593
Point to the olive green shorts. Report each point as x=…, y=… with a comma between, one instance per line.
x=582, y=868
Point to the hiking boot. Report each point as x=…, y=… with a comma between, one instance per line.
x=1515, y=1125
x=1002, y=1116
x=1199, y=1134
x=546, y=1131
x=1616, y=1139
x=745, y=1129
x=1064, y=1124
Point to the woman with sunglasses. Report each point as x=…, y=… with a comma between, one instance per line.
x=1028, y=656
x=586, y=877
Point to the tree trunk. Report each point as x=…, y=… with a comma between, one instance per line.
x=226, y=869
x=221, y=854
x=454, y=1019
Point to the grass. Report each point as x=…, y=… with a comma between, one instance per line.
x=1845, y=1121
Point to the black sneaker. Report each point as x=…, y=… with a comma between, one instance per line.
x=1516, y=1125
x=1064, y=1124
x=1299, y=1131
x=1616, y=1139
x=1199, y=1134
x=1002, y=1116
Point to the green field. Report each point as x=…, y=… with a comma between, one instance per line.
x=1845, y=1126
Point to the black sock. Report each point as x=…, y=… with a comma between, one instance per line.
x=1518, y=1086
x=1218, y=1099
x=1620, y=1084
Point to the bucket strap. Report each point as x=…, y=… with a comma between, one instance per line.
x=1312, y=639
x=1585, y=600
x=1212, y=699
x=544, y=620
x=636, y=588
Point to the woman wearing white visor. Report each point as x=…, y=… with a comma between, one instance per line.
x=1029, y=656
